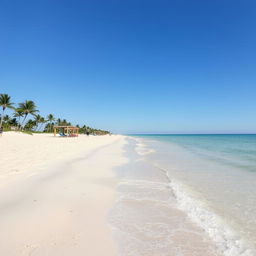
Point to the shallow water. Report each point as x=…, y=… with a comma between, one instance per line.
x=216, y=173
x=187, y=195
x=146, y=218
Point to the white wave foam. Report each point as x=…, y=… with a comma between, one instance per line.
x=225, y=238
x=146, y=221
x=142, y=149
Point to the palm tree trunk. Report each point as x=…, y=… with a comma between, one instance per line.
x=49, y=128
x=19, y=123
x=24, y=120
x=2, y=117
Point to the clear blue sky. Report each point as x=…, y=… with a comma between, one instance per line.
x=133, y=66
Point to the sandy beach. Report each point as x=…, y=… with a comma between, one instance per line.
x=111, y=195
x=56, y=194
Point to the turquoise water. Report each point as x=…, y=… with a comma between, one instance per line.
x=213, y=178
x=238, y=150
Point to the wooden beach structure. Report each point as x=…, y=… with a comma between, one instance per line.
x=66, y=131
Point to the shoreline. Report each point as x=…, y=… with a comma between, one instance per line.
x=145, y=217
x=106, y=195
x=59, y=206
x=171, y=159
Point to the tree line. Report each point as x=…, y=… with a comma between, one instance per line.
x=26, y=117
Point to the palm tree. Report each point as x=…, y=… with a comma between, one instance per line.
x=27, y=107
x=30, y=125
x=5, y=102
x=64, y=122
x=50, y=119
x=42, y=121
x=6, y=121
x=58, y=121
x=13, y=122
x=18, y=113
x=6, y=118
x=37, y=120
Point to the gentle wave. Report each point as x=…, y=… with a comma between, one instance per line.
x=225, y=237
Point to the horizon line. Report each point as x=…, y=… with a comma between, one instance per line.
x=252, y=133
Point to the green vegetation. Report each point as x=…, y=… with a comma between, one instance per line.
x=20, y=122
x=5, y=102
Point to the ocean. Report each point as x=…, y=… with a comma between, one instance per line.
x=187, y=195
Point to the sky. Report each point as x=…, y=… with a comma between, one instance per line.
x=133, y=66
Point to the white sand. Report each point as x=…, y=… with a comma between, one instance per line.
x=55, y=194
